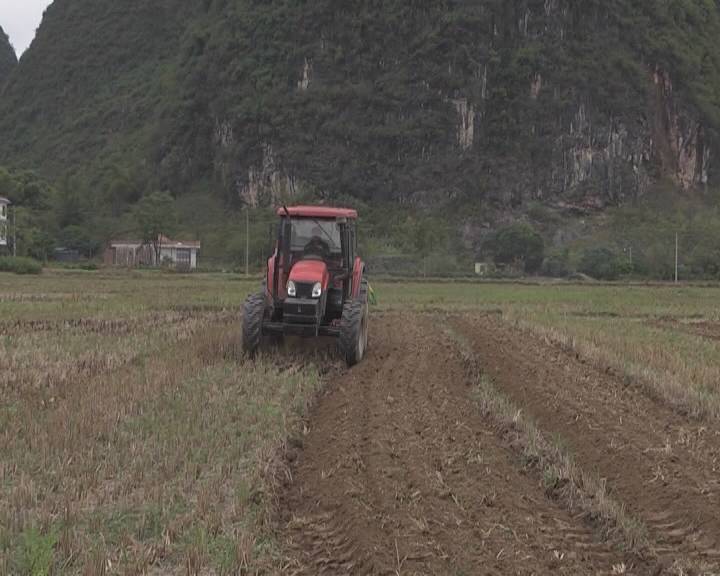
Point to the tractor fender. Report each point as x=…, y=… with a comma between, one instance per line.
x=277, y=257
x=357, y=275
x=270, y=279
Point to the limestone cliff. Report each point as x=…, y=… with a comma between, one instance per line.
x=578, y=104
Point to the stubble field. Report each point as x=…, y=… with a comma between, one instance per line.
x=492, y=429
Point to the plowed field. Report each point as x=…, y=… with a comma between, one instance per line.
x=401, y=472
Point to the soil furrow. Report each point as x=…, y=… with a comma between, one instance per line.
x=401, y=474
x=665, y=468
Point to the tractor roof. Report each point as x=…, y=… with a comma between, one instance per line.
x=318, y=212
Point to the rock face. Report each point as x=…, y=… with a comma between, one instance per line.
x=681, y=144
x=8, y=59
x=574, y=103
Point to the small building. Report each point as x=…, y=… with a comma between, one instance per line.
x=4, y=203
x=482, y=269
x=182, y=255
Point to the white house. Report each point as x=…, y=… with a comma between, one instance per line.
x=4, y=203
x=131, y=253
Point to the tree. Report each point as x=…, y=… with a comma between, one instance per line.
x=156, y=217
x=519, y=244
x=603, y=263
x=557, y=264
x=80, y=239
x=70, y=209
x=122, y=190
x=41, y=245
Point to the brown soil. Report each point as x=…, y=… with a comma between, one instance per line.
x=399, y=472
x=664, y=467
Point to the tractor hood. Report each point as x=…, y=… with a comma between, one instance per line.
x=310, y=271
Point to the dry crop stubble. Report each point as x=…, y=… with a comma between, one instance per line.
x=135, y=438
x=679, y=368
x=143, y=442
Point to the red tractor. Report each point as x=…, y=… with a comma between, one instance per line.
x=315, y=283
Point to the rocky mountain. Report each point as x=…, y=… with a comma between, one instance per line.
x=577, y=104
x=8, y=59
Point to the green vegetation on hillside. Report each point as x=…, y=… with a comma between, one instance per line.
x=190, y=97
x=635, y=240
x=8, y=59
x=642, y=236
x=438, y=119
x=36, y=210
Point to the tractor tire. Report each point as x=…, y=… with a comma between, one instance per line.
x=253, y=316
x=354, y=330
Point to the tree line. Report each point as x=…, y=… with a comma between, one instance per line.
x=637, y=239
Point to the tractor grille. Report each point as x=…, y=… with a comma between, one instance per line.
x=304, y=290
x=297, y=311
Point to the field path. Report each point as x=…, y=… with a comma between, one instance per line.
x=664, y=467
x=400, y=474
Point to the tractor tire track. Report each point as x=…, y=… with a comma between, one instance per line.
x=665, y=468
x=401, y=474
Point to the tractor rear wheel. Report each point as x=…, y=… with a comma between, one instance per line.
x=354, y=331
x=253, y=316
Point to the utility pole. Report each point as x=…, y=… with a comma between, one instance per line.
x=14, y=231
x=247, y=241
x=629, y=252
x=677, y=257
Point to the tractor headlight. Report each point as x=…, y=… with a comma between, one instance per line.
x=317, y=290
x=291, y=289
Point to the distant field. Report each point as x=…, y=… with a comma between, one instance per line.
x=136, y=439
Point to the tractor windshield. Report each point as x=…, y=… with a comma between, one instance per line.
x=307, y=230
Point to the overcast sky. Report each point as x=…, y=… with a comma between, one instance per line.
x=20, y=19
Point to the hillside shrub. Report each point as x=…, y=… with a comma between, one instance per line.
x=85, y=265
x=603, y=263
x=20, y=265
x=518, y=245
x=557, y=265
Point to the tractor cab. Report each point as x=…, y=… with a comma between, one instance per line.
x=314, y=277
x=315, y=254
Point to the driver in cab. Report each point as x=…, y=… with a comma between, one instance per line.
x=316, y=248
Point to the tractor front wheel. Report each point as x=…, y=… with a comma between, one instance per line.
x=253, y=316
x=354, y=331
